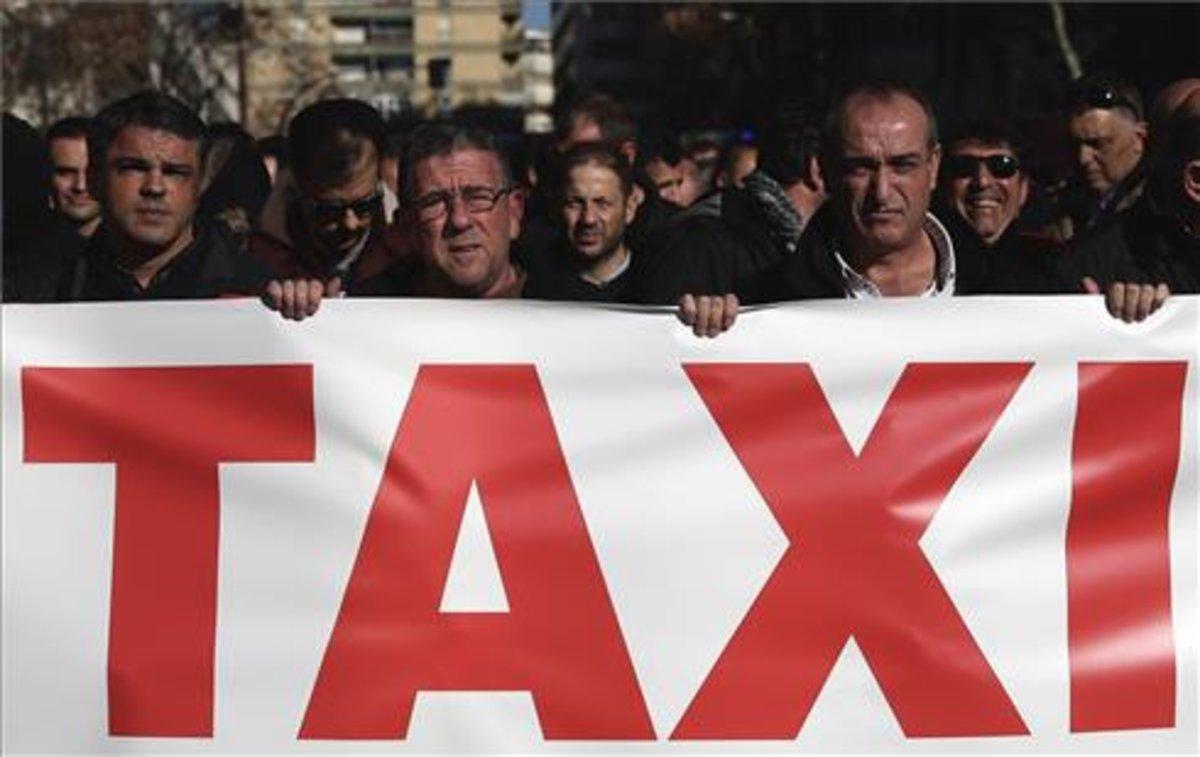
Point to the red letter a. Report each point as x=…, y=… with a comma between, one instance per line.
x=560, y=640
x=854, y=566
x=166, y=429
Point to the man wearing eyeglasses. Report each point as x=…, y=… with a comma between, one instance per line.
x=1108, y=132
x=465, y=211
x=326, y=221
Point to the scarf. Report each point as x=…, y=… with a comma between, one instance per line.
x=784, y=224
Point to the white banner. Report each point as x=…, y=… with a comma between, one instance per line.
x=461, y=526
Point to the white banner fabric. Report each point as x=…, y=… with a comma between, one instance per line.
x=508, y=526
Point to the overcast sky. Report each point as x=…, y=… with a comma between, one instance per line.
x=537, y=14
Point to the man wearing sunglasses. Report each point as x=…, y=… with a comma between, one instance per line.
x=875, y=236
x=326, y=222
x=1105, y=120
x=983, y=181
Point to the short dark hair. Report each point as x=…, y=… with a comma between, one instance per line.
x=880, y=90
x=787, y=147
x=609, y=115
x=664, y=147
x=1106, y=93
x=274, y=145
x=149, y=109
x=603, y=154
x=441, y=138
x=72, y=127
x=990, y=131
x=327, y=139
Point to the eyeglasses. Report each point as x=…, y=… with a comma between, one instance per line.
x=436, y=205
x=999, y=166
x=331, y=211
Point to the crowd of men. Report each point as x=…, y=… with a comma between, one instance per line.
x=144, y=201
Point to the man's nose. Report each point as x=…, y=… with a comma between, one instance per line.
x=353, y=221
x=152, y=183
x=79, y=183
x=457, y=216
x=880, y=185
x=981, y=176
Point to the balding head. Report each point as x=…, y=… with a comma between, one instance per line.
x=1165, y=104
x=1170, y=98
x=1181, y=159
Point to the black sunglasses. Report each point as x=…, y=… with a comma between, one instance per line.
x=999, y=166
x=361, y=207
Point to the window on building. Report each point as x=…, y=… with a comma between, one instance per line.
x=349, y=33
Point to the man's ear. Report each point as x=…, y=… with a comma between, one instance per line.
x=516, y=211
x=629, y=149
x=632, y=202
x=1191, y=181
x=814, y=178
x=935, y=160
x=637, y=196
x=1022, y=189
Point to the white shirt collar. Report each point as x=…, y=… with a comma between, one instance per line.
x=859, y=287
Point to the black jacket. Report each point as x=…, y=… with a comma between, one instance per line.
x=813, y=273
x=215, y=264
x=1142, y=245
x=542, y=234
x=709, y=253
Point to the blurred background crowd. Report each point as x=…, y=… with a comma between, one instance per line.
x=708, y=126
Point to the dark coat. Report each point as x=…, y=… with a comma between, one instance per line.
x=216, y=264
x=706, y=252
x=1142, y=245
x=813, y=273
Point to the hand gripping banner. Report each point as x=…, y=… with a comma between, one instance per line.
x=415, y=526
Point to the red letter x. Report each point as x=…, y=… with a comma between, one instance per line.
x=854, y=567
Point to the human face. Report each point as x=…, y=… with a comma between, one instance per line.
x=666, y=179
x=989, y=203
x=68, y=161
x=1108, y=145
x=150, y=185
x=467, y=250
x=596, y=211
x=339, y=216
x=885, y=173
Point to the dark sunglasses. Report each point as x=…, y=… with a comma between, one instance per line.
x=362, y=207
x=999, y=166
